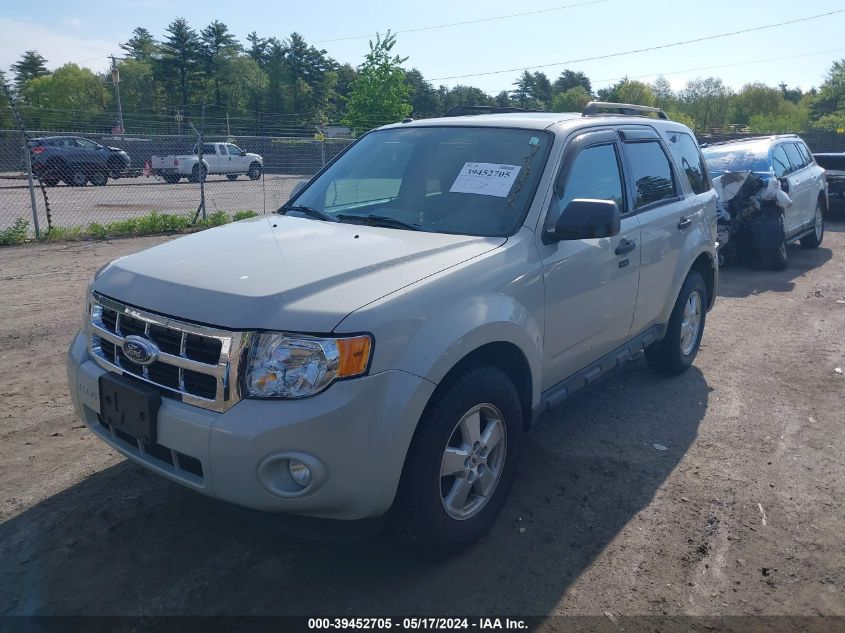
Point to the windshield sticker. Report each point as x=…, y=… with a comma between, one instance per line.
x=486, y=179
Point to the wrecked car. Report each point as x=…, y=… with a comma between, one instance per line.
x=834, y=172
x=771, y=193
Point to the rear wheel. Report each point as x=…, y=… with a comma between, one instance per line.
x=49, y=180
x=231, y=176
x=462, y=461
x=199, y=172
x=76, y=178
x=776, y=259
x=676, y=352
x=99, y=178
x=254, y=171
x=171, y=178
x=814, y=239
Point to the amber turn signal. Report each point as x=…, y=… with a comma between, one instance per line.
x=353, y=355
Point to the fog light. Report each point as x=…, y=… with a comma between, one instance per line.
x=299, y=472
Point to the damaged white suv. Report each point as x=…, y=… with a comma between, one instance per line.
x=380, y=344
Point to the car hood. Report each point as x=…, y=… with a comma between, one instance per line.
x=251, y=155
x=281, y=273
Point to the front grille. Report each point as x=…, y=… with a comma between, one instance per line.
x=196, y=364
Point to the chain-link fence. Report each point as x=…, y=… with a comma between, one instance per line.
x=90, y=181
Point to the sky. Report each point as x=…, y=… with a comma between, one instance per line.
x=86, y=31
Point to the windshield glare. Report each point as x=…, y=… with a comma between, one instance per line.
x=722, y=159
x=461, y=180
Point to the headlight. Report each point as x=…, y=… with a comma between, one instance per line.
x=295, y=366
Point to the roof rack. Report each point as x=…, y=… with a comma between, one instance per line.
x=469, y=110
x=594, y=108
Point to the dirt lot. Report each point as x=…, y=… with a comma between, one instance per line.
x=741, y=514
x=130, y=197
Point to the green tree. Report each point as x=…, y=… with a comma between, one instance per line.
x=637, y=93
x=706, y=101
x=31, y=65
x=379, y=94
x=756, y=99
x=217, y=51
x=830, y=98
x=463, y=95
x=422, y=96
x=137, y=85
x=572, y=100
x=69, y=88
x=664, y=96
x=142, y=46
x=179, y=66
x=569, y=79
x=257, y=48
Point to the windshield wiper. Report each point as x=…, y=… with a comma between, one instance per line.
x=379, y=220
x=309, y=211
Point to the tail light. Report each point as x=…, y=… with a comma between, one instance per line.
x=38, y=149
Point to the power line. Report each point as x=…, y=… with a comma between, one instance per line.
x=476, y=21
x=646, y=49
x=746, y=63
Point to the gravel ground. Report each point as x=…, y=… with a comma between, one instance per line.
x=130, y=197
x=717, y=492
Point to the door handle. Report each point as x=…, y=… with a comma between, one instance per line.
x=684, y=223
x=625, y=246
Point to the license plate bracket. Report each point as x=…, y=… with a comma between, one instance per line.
x=130, y=406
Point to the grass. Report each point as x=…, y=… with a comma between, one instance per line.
x=150, y=224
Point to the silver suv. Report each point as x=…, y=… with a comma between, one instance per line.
x=787, y=161
x=381, y=343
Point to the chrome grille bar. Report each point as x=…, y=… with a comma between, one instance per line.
x=225, y=372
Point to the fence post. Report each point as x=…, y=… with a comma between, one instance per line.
x=28, y=160
x=201, y=208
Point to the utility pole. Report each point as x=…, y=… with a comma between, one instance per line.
x=115, y=79
x=227, y=125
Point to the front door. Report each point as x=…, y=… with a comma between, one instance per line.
x=590, y=285
x=793, y=215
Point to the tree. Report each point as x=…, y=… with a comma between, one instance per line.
x=572, y=100
x=664, y=96
x=463, y=95
x=68, y=88
x=422, y=95
x=830, y=98
x=306, y=68
x=636, y=92
x=218, y=48
x=523, y=94
x=706, y=101
x=30, y=66
x=379, y=94
x=571, y=79
x=257, y=48
x=141, y=46
x=179, y=63
x=756, y=99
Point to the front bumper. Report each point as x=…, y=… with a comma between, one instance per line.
x=356, y=434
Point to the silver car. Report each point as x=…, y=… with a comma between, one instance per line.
x=382, y=342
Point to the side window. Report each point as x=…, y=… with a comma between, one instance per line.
x=234, y=150
x=208, y=148
x=808, y=157
x=594, y=175
x=650, y=171
x=692, y=162
x=780, y=162
x=794, y=155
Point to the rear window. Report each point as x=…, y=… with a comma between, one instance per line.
x=651, y=172
x=808, y=158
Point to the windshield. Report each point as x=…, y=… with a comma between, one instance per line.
x=736, y=158
x=462, y=180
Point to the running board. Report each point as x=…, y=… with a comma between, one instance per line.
x=587, y=376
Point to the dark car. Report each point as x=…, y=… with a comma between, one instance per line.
x=834, y=172
x=76, y=160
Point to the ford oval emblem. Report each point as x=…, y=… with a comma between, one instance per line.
x=140, y=350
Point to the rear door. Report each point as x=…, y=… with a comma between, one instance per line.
x=666, y=214
x=210, y=154
x=590, y=285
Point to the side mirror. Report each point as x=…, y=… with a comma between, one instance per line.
x=297, y=188
x=784, y=184
x=584, y=219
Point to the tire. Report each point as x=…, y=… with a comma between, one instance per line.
x=198, y=173
x=254, y=171
x=677, y=350
x=99, y=178
x=777, y=259
x=231, y=176
x=49, y=181
x=814, y=239
x=426, y=513
x=115, y=166
x=171, y=178
x=76, y=178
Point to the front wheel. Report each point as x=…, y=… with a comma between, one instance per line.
x=198, y=173
x=254, y=171
x=462, y=461
x=76, y=178
x=677, y=350
x=814, y=239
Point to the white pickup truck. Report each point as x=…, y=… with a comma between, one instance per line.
x=217, y=158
